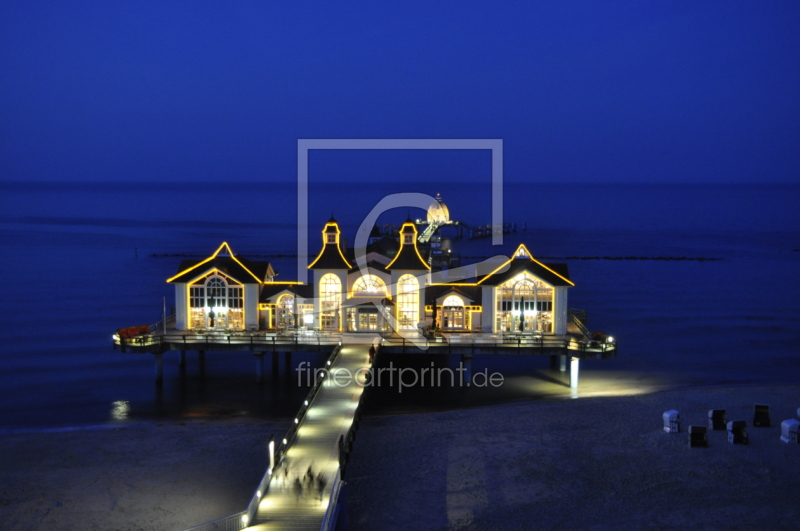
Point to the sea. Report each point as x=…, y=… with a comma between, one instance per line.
x=698, y=282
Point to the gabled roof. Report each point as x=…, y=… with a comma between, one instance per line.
x=387, y=246
x=224, y=260
x=436, y=291
x=523, y=260
x=408, y=256
x=270, y=289
x=373, y=265
x=330, y=257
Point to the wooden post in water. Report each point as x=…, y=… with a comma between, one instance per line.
x=159, y=369
x=259, y=367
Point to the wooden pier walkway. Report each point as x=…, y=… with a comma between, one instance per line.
x=328, y=418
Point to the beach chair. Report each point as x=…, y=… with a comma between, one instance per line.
x=761, y=416
x=790, y=431
x=716, y=419
x=671, y=421
x=737, y=432
x=698, y=437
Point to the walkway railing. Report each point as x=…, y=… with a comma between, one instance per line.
x=254, y=339
x=505, y=340
x=578, y=318
x=238, y=521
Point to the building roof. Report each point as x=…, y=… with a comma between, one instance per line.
x=378, y=301
x=270, y=289
x=436, y=291
x=330, y=257
x=372, y=264
x=223, y=259
x=523, y=260
x=408, y=256
x=387, y=246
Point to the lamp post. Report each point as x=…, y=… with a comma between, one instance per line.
x=271, y=447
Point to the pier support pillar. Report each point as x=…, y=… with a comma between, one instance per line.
x=466, y=374
x=563, y=363
x=287, y=364
x=259, y=367
x=553, y=362
x=275, y=362
x=159, y=369
x=573, y=373
x=201, y=361
x=182, y=358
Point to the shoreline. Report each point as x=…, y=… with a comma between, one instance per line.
x=172, y=475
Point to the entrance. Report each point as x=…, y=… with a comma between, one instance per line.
x=367, y=319
x=453, y=318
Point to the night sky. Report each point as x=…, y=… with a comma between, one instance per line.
x=612, y=91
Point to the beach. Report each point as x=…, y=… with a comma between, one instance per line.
x=144, y=477
x=596, y=462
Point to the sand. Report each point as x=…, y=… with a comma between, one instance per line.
x=168, y=476
x=592, y=463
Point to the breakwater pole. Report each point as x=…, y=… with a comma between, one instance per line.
x=466, y=374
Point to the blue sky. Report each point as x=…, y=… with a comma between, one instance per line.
x=613, y=91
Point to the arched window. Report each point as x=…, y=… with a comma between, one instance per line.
x=217, y=303
x=453, y=301
x=370, y=285
x=330, y=294
x=408, y=302
x=524, y=303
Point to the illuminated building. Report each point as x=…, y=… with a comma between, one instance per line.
x=389, y=288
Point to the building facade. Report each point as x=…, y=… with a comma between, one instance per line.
x=387, y=287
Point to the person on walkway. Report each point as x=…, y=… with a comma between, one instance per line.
x=285, y=473
x=321, y=482
x=371, y=353
x=298, y=489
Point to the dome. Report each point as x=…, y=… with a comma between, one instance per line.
x=437, y=212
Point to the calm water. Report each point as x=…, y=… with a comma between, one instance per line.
x=83, y=260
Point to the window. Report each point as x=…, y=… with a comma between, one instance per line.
x=370, y=285
x=453, y=300
x=453, y=313
x=285, y=311
x=330, y=294
x=197, y=297
x=408, y=302
x=524, y=303
x=215, y=302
